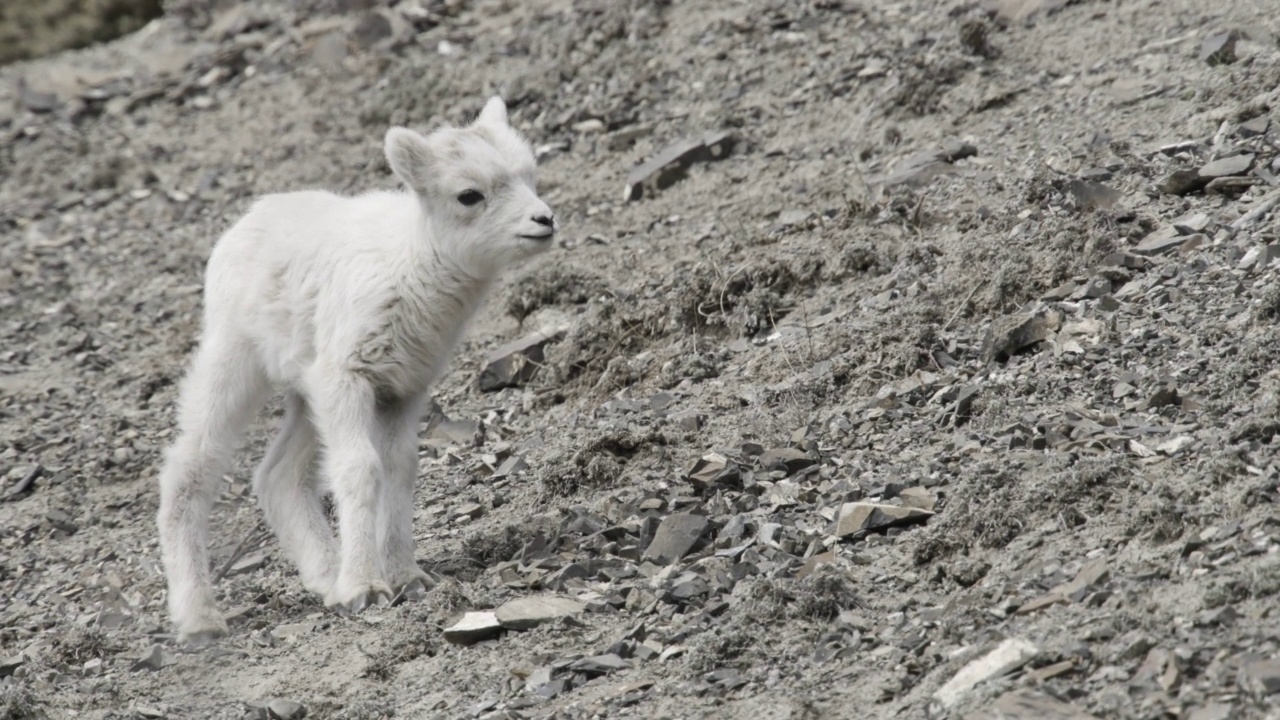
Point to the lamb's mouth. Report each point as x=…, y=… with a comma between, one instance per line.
x=539, y=238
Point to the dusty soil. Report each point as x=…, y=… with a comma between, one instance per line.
x=830, y=327
x=35, y=29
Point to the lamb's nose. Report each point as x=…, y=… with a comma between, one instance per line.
x=546, y=220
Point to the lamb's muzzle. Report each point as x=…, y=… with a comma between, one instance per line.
x=351, y=306
x=547, y=221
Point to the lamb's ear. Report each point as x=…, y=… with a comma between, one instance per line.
x=410, y=157
x=494, y=112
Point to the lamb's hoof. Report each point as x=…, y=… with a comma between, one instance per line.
x=354, y=603
x=413, y=591
x=203, y=634
x=321, y=586
x=412, y=586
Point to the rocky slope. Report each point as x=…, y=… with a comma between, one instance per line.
x=903, y=359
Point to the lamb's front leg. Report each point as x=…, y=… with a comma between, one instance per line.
x=399, y=422
x=346, y=415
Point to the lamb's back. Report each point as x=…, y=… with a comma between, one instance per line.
x=307, y=269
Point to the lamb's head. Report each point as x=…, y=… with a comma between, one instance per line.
x=476, y=185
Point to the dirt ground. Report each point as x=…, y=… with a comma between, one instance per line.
x=1047, y=361
x=33, y=29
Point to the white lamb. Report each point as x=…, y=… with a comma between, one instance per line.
x=352, y=306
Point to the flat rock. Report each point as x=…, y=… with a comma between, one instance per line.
x=247, y=564
x=590, y=125
x=1226, y=167
x=1132, y=89
x=600, y=664
x=1090, y=195
x=675, y=536
x=155, y=658
x=1192, y=242
x=1046, y=600
x=687, y=590
x=1220, y=48
x=924, y=166
x=671, y=652
x=551, y=689
x=24, y=486
x=376, y=26
x=1096, y=288
x=813, y=563
x=1175, y=445
x=1182, y=181
x=37, y=101
x=529, y=612
x=1259, y=257
x=1090, y=575
x=726, y=677
x=61, y=520
x=239, y=18
x=1231, y=184
x=473, y=627
x=1166, y=239
x=112, y=619
x=855, y=516
x=793, y=218
x=279, y=709
x=715, y=469
x=329, y=50
x=624, y=138
x=1255, y=127
x=1012, y=334
x=292, y=631
x=516, y=362
x=1159, y=668
x=454, y=432
x=1126, y=260
x=1029, y=705
x=631, y=688
x=1008, y=656
x=789, y=459
x=1048, y=672
x=1192, y=224
x=1212, y=711
x=1261, y=677
x=560, y=578
x=511, y=466
x=1267, y=255
x=539, y=677
x=1174, y=148
x=918, y=497
x=9, y=664
x=672, y=164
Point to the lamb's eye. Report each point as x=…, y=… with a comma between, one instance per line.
x=470, y=197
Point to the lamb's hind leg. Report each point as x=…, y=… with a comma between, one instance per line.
x=290, y=498
x=219, y=397
x=399, y=420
